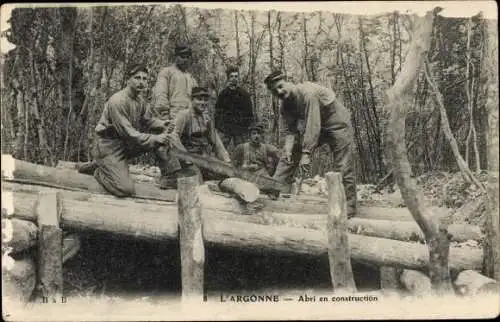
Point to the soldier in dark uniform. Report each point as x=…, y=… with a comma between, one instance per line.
x=233, y=111
x=255, y=155
x=314, y=115
x=123, y=132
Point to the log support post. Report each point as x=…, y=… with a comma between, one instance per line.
x=339, y=255
x=191, y=239
x=389, y=279
x=50, y=247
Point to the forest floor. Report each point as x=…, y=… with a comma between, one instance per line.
x=110, y=267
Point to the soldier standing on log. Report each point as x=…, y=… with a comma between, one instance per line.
x=233, y=110
x=120, y=136
x=255, y=155
x=195, y=132
x=314, y=115
x=171, y=94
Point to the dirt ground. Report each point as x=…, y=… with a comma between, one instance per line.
x=108, y=266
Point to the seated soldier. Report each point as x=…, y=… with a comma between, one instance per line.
x=194, y=132
x=255, y=155
x=120, y=136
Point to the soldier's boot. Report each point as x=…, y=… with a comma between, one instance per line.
x=87, y=168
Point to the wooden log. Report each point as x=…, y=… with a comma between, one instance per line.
x=50, y=246
x=18, y=279
x=19, y=235
x=417, y=283
x=191, y=239
x=25, y=172
x=229, y=208
x=158, y=220
x=389, y=279
x=245, y=190
x=471, y=282
x=339, y=255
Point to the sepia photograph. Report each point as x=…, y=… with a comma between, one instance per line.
x=250, y=161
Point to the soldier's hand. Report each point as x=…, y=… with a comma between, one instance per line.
x=252, y=167
x=169, y=125
x=162, y=139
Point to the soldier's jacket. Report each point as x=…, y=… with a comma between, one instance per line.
x=311, y=109
x=125, y=119
x=172, y=90
x=265, y=156
x=197, y=134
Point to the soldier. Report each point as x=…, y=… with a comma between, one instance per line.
x=171, y=94
x=313, y=116
x=172, y=91
x=255, y=155
x=120, y=135
x=194, y=132
x=233, y=110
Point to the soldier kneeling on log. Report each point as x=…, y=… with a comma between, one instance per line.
x=121, y=135
x=256, y=156
x=194, y=132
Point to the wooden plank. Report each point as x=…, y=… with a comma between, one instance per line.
x=50, y=246
x=191, y=239
x=339, y=255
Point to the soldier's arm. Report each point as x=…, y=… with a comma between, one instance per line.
x=152, y=122
x=220, y=150
x=180, y=124
x=125, y=129
x=238, y=155
x=160, y=91
x=312, y=123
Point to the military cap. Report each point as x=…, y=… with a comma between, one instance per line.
x=200, y=91
x=135, y=68
x=273, y=77
x=182, y=49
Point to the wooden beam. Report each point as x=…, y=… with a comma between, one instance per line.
x=30, y=173
x=389, y=279
x=191, y=239
x=339, y=255
x=50, y=246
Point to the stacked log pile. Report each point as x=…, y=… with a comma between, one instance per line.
x=382, y=236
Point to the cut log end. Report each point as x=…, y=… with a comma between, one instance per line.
x=470, y=282
x=245, y=190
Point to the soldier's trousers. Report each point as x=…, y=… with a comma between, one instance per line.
x=341, y=144
x=111, y=157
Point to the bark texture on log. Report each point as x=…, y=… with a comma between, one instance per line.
x=471, y=282
x=339, y=256
x=389, y=278
x=227, y=208
x=191, y=239
x=50, y=246
x=25, y=172
x=245, y=190
x=23, y=234
x=397, y=100
x=152, y=220
x=417, y=283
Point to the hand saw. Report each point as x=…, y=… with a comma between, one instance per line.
x=210, y=163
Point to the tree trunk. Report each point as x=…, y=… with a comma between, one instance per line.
x=236, y=27
x=397, y=98
x=492, y=247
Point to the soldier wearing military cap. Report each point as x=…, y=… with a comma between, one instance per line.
x=124, y=131
x=194, y=132
x=256, y=155
x=314, y=115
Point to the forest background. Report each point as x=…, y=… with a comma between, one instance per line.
x=68, y=60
